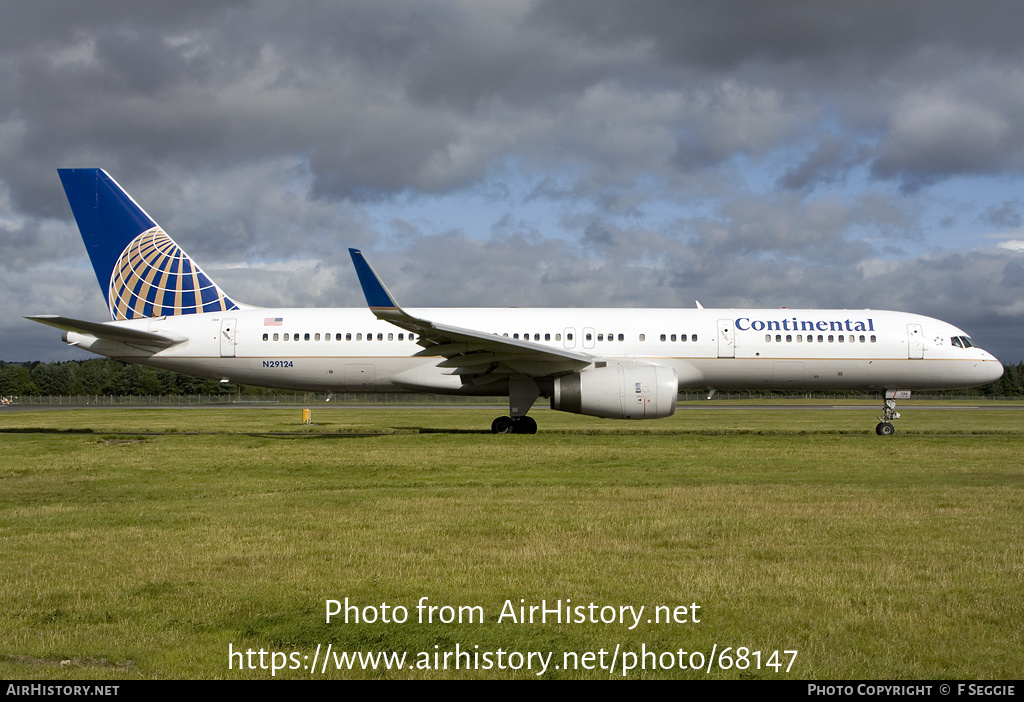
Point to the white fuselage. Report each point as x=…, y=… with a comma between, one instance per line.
x=350, y=350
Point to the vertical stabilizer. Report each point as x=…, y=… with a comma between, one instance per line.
x=140, y=269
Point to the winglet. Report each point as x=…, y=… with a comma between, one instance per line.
x=377, y=296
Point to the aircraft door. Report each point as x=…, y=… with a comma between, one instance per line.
x=726, y=339
x=915, y=341
x=228, y=336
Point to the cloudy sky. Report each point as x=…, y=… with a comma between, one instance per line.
x=529, y=152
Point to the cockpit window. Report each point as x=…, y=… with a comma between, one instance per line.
x=956, y=342
x=967, y=341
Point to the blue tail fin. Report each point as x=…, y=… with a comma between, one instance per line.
x=140, y=269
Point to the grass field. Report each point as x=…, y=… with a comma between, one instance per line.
x=143, y=543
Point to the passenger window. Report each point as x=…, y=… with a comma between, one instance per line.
x=862, y=338
x=643, y=337
x=391, y=337
x=348, y=336
x=693, y=337
x=789, y=338
x=873, y=339
x=662, y=337
x=275, y=336
x=673, y=337
x=547, y=337
x=778, y=337
x=266, y=337
x=359, y=337
x=380, y=336
x=841, y=338
x=317, y=337
x=558, y=337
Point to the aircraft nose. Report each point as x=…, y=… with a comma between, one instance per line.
x=995, y=370
x=990, y=368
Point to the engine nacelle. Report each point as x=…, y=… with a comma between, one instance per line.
x=618, y=392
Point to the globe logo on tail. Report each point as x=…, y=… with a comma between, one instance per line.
x=153, y=277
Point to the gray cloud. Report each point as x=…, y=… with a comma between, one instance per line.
x=832, y=160
x=1006, y=214
x=631, y=153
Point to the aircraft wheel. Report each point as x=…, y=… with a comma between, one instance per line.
x=885, y=429
x=527, y=425
x=503, y=425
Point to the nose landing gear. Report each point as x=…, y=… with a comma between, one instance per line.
x=889, y=413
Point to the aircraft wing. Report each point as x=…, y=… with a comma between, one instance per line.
x=108, y=331
x=467, y=351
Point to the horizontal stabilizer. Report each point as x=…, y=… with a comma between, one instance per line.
x=108, y=331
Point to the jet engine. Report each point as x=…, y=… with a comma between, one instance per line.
x=618, y=392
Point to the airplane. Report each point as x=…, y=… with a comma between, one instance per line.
x=613, y=363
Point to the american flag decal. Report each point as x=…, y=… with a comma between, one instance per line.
x=272, y=321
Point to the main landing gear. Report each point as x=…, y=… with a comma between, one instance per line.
x=522, y=393
x=514, y=425
x=889, y=413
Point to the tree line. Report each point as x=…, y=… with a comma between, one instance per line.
x=104, y=376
